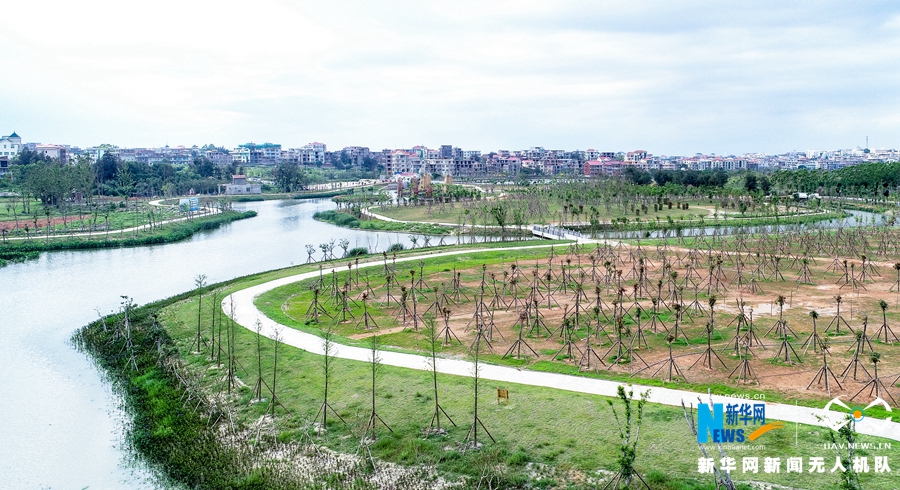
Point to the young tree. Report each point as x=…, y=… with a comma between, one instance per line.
x=472, y=436
x=200, y=283
x=433, y=340
x=629, y=432
x=327, y=357
x=369, y=432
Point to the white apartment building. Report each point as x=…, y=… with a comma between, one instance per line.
x=57, y=152
x=10, y=145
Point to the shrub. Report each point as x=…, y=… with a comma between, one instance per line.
x=357, y=251
x=396, y=247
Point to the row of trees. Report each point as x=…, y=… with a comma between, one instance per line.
x=35, y=175
x=864, y=180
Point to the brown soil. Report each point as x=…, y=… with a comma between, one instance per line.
x=41, y=222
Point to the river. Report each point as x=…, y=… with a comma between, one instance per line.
x=61, y=426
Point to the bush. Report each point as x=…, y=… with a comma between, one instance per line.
x=337, y=218
x=397, y=247
x=358, y=251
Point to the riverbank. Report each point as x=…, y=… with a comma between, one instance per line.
x=635, y=225
x=735, y=221
x=169, y=233
x=534, y=441
x=289, y=195
x=347, y=220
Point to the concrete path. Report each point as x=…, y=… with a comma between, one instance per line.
x=246, y=314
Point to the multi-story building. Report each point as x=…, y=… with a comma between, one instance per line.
x=603, y=166
x=240, y=155
x=219, y=157
x=635, y=156
x=356, y=154
x=263, y=154
x=10, y=146
x=57, y=152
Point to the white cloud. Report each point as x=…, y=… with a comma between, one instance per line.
x=671, y=77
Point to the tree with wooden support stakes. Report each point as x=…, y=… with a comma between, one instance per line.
x=515, y=350
x=260, y=382
x=862, y=338
x=896, y=285
x=446, y=333
x=538, y=327
x=668, y=366
x=591, y=360
x=804, y=277
x=629, y=433
x=706, y=358
x=388, y=296
x=315, y=308
x=740, y=322
x=369, y=432
x=814, y=340
x=885, y=330
x=786, y=351
x=676, y=326
x=744, y=371
x=639, y=337
x=435, y=428
x=274, y=401
x=825, y=375
x=855, y=364
x=367, y=321
x=876, y=387
x=781, y=327
x=838, y=320
x=231, y=359
x=199, y=283
x=345, y=312
x=127, y=306
x=569, y=348
x=471, y=440
x=327, y=358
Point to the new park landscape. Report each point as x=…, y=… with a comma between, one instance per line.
x=429, y=368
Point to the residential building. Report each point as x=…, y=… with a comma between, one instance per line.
x=57, y=152
x=263, y=154
x=10, y=145
x=239, y=186
x=356, y=154
x=240, y=155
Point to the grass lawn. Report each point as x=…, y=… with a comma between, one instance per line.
x=565, y=430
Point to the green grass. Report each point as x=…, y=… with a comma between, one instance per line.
x=115, y=214
x=168, y=233
x=557, y=428
x=543, y=425
x=347, y=220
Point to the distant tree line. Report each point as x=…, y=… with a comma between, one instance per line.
x=864, y=180
x=41, y=177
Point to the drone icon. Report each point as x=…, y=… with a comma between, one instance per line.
x=857, y=413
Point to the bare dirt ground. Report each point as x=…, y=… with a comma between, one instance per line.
x=859, y=300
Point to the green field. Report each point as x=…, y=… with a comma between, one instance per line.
x=573, y=433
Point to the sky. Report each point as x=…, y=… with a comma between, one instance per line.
x=672, y=78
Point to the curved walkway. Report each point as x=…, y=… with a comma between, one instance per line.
x=246, y=314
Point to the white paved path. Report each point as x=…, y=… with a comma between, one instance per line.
x=246, y=314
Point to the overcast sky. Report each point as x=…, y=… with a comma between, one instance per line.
x=669, y=77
